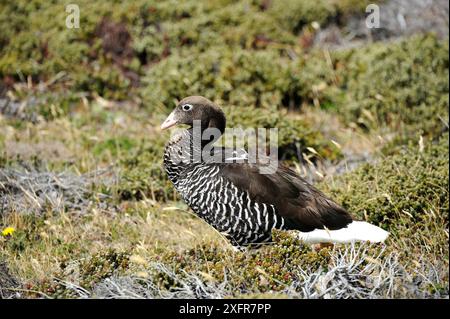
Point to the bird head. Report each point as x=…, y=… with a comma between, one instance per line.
x=196, y=108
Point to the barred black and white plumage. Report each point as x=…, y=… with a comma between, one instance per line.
x=242, y=203
x=216, y=199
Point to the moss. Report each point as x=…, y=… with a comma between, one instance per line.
x=101, y=266
x=264, y=67
x=145, y=181
x=407, y=188
x=41, y=46
x=238, y=25
x=294, y=15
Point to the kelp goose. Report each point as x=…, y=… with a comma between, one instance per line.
x=241, y=202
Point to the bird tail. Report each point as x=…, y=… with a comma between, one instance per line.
x=355, y=231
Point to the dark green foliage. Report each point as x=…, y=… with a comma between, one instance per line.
x=237, y=25
x=364, y=85
x=249, y=57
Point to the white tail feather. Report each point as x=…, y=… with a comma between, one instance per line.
x=355, y=231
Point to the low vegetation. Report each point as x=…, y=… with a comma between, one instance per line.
x=87, y=211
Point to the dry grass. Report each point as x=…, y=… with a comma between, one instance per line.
x=145, y=228
x=30, y=191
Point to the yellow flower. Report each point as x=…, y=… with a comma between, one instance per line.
x=8, y=231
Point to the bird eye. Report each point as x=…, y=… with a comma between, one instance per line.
x=187, y=107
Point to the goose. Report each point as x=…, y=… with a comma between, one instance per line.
x=240, y=201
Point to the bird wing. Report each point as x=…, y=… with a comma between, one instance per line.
x=302, y=205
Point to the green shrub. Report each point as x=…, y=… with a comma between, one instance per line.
x=237, y=77
x=409, y=187
x=37, y=43
x=403, y=85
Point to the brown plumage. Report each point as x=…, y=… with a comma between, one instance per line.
x=302, y=205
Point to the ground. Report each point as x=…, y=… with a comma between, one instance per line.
x=86, y=209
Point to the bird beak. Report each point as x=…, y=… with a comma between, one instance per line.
x=169, y=122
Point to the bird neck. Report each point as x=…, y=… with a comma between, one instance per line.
x=186, y=147
x=213, y=127
x=217, y=121
x=180, y=153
